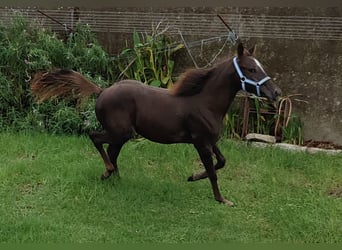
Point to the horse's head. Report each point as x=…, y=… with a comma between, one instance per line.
x=252, y=76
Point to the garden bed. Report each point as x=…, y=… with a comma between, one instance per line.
x=322, y=144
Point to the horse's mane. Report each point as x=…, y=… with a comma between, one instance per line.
x=191, y=82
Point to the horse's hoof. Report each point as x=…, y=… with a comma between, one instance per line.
x=105, y=175
x=228, y=203
x=116, y=174
x=191, y=178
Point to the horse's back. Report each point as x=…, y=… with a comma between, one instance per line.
x=127, y=91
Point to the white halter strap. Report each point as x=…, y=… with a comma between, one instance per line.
x=245, y=80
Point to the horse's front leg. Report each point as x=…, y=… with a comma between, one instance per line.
x=219, y=164
x=205, y=153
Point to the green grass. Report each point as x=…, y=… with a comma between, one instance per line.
x=51, y=193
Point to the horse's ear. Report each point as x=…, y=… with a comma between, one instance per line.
x=240, y=49
x=252, y=50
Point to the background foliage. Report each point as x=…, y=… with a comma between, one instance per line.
x=27, y=49
x=149, y=61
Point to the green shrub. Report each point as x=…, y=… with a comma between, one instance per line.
x=27, y=49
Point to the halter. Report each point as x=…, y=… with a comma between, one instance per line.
x=245, y=80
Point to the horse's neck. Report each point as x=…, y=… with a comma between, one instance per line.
x=220, y=92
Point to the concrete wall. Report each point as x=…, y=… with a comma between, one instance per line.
x=312, y=69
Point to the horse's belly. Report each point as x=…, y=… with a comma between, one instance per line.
x=163, y=129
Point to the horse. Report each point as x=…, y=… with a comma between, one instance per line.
x=192, y=111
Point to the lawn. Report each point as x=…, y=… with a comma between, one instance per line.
x=51, y=192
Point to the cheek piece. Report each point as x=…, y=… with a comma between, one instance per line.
x=244, y=80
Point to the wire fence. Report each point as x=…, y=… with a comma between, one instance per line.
x=194, y=24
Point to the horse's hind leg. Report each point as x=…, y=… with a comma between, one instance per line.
x=113, y=153
x=221, y=161
x=219, y=164
x=99, y=139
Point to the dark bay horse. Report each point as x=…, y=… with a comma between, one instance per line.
x=190, y=112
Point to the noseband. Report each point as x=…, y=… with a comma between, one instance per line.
x=245, y=80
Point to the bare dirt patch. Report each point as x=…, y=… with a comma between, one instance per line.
x=321, y=144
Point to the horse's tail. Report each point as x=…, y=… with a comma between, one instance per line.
x=63, y=83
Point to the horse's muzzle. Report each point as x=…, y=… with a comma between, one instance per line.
x=271, y=91
x=277, y=93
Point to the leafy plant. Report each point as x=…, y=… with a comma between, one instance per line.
x=263, y=119
x=26, y=49
x=233, y=123
x=293, y=132
x=150, y=60
x=88, y=54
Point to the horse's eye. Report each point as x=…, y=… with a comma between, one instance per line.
x=252, y=70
